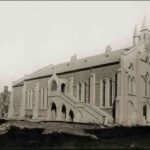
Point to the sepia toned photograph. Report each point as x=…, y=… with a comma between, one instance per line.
x=74, y=75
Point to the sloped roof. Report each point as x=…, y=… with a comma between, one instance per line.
x=81, y=63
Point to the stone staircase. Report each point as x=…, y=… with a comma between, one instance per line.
x=91, y=114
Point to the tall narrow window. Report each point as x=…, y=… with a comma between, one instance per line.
x=45, y=98
x=89, y=87
x=63, y=88
x=79, y=91
x=104, y=85
x=54, y=85
x=85, y=92
x=42, y=98
x=149, y=89
x=110, y=92
x=116, y=85
x=133, y=86
x=31, y=99
x=146, y=84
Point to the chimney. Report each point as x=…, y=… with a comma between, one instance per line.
x=73, y=58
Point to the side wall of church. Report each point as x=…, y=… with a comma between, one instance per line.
x=101, y=73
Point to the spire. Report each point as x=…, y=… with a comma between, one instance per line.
x=144, y=25
x=135, y=31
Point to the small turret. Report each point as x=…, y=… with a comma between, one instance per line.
x=145, y=32
x=135, y=37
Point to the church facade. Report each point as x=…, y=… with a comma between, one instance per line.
x=109, y=88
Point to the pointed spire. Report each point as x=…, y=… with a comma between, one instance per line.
x=135, y=31
x=144, y=25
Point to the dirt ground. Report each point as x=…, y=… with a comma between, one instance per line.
x=59, y=135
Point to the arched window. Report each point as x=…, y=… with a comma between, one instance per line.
x=146, y=84
x=116, y=85
x=85, y=92
x=28, y=99
x=110, y=92
x=149, y=89
x=63, y=88
x=89, y=87
x=104, y=88
x=79, y=91
x=54, y=86
x=31, y=99
x=45, y=98
x=133, y=86
x=42, y=98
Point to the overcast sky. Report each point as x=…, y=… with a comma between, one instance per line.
x=36, y=34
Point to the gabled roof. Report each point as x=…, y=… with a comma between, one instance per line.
x=101, y=59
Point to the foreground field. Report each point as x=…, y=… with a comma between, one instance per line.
x=46, y=135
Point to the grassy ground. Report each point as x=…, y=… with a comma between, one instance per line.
x=48, y=135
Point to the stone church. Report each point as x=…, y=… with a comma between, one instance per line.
x=109, y=88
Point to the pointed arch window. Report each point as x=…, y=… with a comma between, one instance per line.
x=146, y=84
x=104, y=91
x=79, y=91
x=85, y=92
x=133, y=86
x=54, y=86
x=110, y=92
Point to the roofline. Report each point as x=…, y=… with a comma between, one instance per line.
x=75, y=70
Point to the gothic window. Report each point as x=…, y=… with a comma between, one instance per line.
x=45, y=98
x=115, y=85
x=110, y=92
x=85, y=92
x=79, y=91
x=63, y=88
x=42, y=98
x=146, y=84
x=89, y=87
x=28, y=99
x=149, y=89
x=133, y=86
x=104, y=89
x=29, y=103
x=54, y=85
x=31, y=100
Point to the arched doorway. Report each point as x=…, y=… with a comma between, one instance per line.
x=71, y=115
x=144, y=113
x=53, y=112
x=63, y=88
x=63, y=113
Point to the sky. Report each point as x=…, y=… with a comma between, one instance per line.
x=34, y=34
